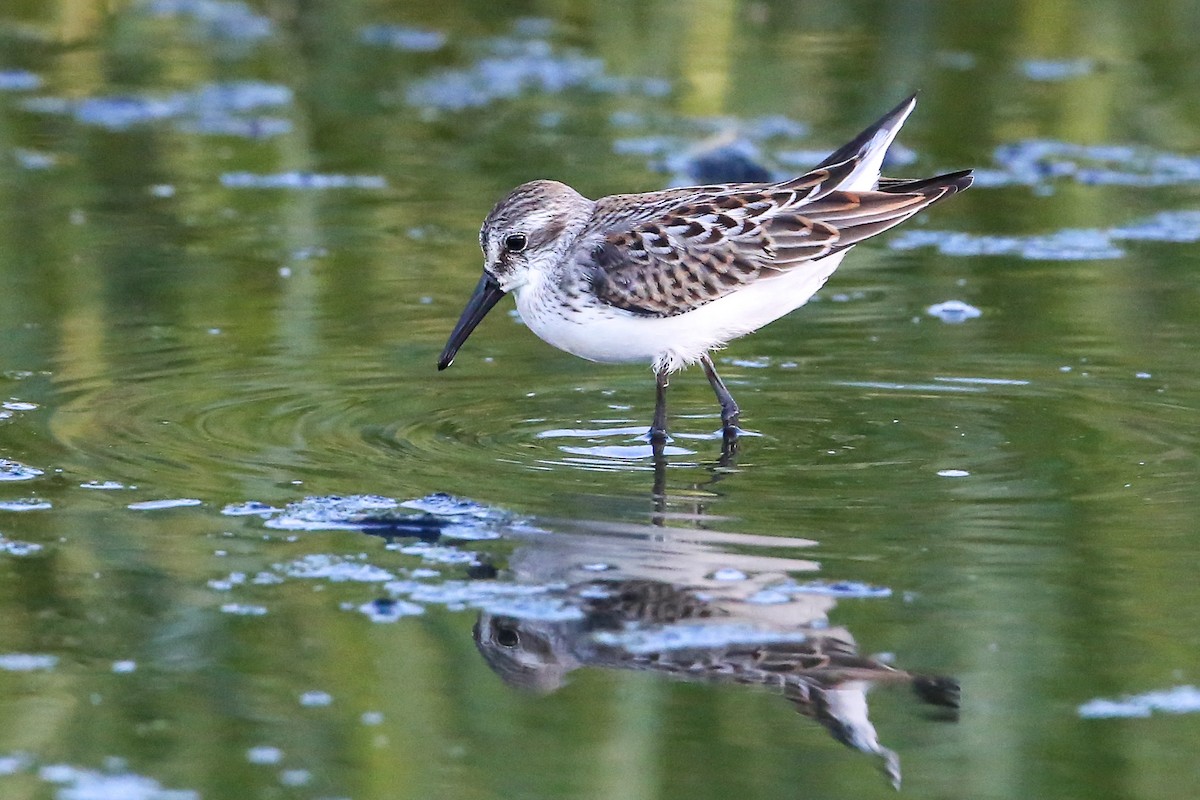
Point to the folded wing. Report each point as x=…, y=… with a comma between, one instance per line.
x=715, y=240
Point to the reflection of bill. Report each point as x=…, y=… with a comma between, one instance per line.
x=654, y=626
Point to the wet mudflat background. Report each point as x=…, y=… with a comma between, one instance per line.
x=246, y=530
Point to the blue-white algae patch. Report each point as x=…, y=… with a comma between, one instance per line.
x=251, y=508
x=1179, y=700
x=518, y=66
x=443, y=516
x=694, y=636
x=13, y=763
x=403, y=37
x=13, y=547
x=214, y=108
x=264, y=754
x=334, y=569
x=524, y=601
x=25, y=504
x=102, y=485
x=18, y=80
x=1067, y=245
x=847, y=589
x=447, y=505
x=909, y=387
x=1049, y=69
x=1037, y=162
x=316, y=699
x=76, y=783
x=983, y=381
x=16, y=471
x=158, y=505
x=329, y=513
x=436, y=554
x=1166, y=226
x=301, y=180
x=953, y=311
x=243, y=610
x=33, y=160
x=218, y=19
x=27, y=662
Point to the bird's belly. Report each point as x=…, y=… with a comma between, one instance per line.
x=601, y=333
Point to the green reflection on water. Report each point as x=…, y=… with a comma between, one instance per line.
x=198, y=341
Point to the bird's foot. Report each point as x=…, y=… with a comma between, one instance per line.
x=729, y=425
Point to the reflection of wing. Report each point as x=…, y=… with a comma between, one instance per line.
x=714, y=240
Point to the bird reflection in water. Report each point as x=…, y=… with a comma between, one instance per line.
x=688, y=634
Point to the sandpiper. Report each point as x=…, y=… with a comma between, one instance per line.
x=666, y=277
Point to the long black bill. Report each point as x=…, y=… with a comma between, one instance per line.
x=486, y=295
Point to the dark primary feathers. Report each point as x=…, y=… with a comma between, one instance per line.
x=703, y=243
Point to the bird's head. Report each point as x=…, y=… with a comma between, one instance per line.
x=524, y=239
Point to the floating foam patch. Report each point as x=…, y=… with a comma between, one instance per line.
x=76, y=783
x=336, y=569
x=158, y=505
x=217, y=19
x=216, y=108
x=515, y=66
x=308, y=181
x=1066, y=245
x=27, y=662
x=18, y=80
x=1038, y=162
x=16, y=471
x=16, y=548
x=693, y=636
x=25, y=504
x=403, y=37
x=953, y=311
x=1061, y=69
x=1179, y=700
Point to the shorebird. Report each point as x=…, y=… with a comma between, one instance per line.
x=666, y=277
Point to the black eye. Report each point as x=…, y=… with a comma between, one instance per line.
x=515, y=242
x=507, y=637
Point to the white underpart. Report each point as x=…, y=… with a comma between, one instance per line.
x=613, y=335
x=674, y=342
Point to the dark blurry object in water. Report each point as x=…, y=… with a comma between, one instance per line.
x=729, y=163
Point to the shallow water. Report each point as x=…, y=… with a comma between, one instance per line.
x=253, y=544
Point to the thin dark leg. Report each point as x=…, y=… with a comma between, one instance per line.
x=659, y=492
x=729, y=406
x=658, y=430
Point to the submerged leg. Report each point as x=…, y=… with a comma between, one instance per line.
x=729, y=406
x=658, y=430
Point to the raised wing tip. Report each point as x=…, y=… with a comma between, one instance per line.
x=882, y=131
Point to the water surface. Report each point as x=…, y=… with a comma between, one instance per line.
x=252, y=544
